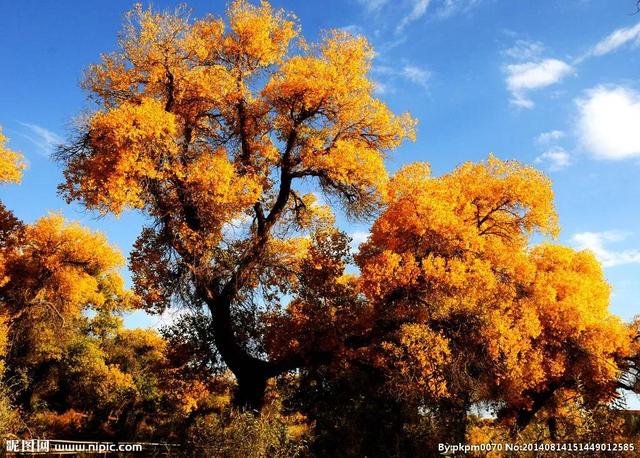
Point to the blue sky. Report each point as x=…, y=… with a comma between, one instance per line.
x=555, y=84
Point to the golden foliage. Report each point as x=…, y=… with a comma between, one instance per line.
x=208, y=128
x=67, y=424
x=418, y=375
x=11, y=164
x=64, y=267
x=186, y=133
x=452, y=253
x=4, y=340
x=53, y=272
x=132, y=139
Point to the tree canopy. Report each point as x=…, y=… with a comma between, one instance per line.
x=212, y=129
x=205, y=129
x=240, y=142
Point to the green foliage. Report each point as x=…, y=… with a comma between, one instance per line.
x=10, y=420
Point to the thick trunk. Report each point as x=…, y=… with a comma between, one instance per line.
x=250, y=392
x=251, y=373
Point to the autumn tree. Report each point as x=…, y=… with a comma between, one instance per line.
x=453, y=308
x=56, y=272
x=51, y=272
x=11, y=167
x=465, y=311
x=67, y=366
x=212, y=130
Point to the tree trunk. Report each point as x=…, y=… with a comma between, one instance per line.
x=249, y=394
x=251, y=373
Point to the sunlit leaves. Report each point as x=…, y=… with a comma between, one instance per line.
x=345, y=144
x=417, y=375
x=260, y=36
x=134, y=143
x=452, y=254
x=11, y=164
x=208, y=124
x=65, y=266
x=209, y=127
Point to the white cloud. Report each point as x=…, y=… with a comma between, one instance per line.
x=418, y=9
x=524, y=50
x=556, y=159
x=451, y=7
x=413, y=10
x=358, y=238
x=46, y=140
x=616, y=39
x=353, y=29
x=546, y=138
x=373, y=5
x=609, y=122
x=416, y=75
x=236, y=228
x=412, y=73
x=384, y=70
x=528, y=76
x=596, y=241
x=381, y=88
x=521, y=101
